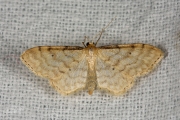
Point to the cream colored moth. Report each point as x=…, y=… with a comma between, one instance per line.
x=113, y=68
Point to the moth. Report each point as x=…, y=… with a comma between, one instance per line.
x=113, y=68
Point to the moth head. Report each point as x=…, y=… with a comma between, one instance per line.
x=90, y=43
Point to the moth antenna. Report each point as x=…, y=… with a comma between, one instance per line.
x=99, y=36
x=84, y=41
x=87, y=37
x=103, y=30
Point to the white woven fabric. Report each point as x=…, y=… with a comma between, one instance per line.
x=28, y=23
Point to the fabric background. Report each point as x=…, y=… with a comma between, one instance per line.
x=29, y=23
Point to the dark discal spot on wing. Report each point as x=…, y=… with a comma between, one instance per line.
x=143, y=45
x=49, y=48
x=66, y=47
x=132, y=46
x=61, y=71
x=39, y=48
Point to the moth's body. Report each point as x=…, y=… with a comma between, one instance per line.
x=91, y=57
